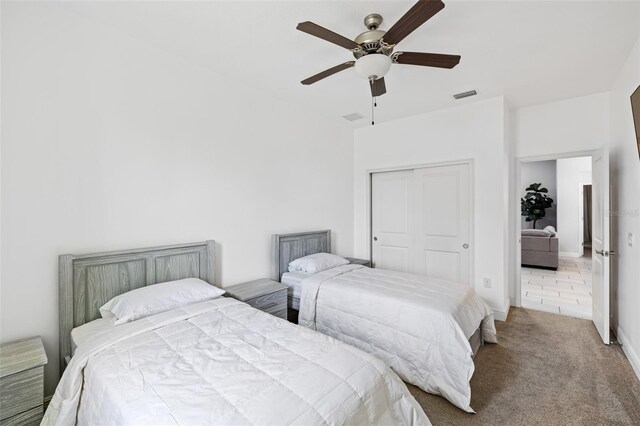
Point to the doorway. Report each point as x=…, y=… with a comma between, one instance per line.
x=421, y=221
x=555, y=223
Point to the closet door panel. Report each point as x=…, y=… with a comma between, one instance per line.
x=421, y=221
x=392, y=220
x=442, y=208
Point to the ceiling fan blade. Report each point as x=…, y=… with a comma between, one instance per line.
x=325, y=34
x=327, y=73
x=378, y=88
x=426, y=59
x=420, y=13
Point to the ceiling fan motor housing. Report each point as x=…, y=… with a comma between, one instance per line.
x=370, y=43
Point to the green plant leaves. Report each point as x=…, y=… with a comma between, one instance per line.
x=535, y=202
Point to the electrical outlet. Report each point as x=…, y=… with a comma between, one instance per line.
x=630, y=239
x=487, y=282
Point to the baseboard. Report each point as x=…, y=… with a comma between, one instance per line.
x=628, y=350
x=568, y=254
x=501, y=314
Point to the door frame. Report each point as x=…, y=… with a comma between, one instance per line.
x=467, y=161
x=517, y=259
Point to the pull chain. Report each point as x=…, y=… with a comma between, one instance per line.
x=373, y=104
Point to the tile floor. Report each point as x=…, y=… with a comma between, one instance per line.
x=566, y=291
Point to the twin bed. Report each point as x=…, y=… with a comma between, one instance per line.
x=426, y=329
x=220, y=361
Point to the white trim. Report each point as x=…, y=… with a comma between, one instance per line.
x=502, y=313
x=534, y=158
x=420, y=166
x=581, y=216
x=569, y=254
x=628, y=350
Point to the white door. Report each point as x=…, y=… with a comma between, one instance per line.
x=443, y=222
x=421, y=221
x=601, y=242
x=392, y=204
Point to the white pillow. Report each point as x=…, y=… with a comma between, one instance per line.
x=535, y=233
x=156, y=298
x=315, y=263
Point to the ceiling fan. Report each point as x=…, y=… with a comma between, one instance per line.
x=373, y=49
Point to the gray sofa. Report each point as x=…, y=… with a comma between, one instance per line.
x=540, y=251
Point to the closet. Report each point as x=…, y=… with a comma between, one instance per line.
x=421, y=221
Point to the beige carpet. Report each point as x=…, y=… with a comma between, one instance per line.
x=547, y=369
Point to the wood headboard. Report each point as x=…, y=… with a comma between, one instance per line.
x=289, y=247
x=88, y=281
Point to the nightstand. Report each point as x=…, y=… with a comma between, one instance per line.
x=22, y=382
x=356, y=261
x=264, y=294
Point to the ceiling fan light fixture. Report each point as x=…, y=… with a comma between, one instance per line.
x=373, y=66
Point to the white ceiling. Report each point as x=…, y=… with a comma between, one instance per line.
x=530, y=51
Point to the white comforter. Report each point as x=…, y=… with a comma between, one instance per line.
x=223, y=362
x=418, y=325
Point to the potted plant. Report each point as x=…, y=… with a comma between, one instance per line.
x=534, y=203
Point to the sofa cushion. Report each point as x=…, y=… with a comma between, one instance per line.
x=535, y=243
x=537, y=233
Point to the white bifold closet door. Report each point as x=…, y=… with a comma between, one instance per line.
x=421, y=221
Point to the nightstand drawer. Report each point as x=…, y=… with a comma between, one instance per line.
x=264, y=294
x=21, y=391
x=31, y=417
x=273, y=302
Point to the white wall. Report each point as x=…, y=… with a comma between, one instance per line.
x=573, y=173
x=540, y=172
x=472, y=131
x=625, y=174
x=109, y=143
x=567, y=126
x=554, y=130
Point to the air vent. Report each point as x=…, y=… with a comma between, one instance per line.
x=465, y=94
x=353, y=117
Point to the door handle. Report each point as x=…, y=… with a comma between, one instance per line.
x=375, y=238
x=465, y=246
x=600, y=252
